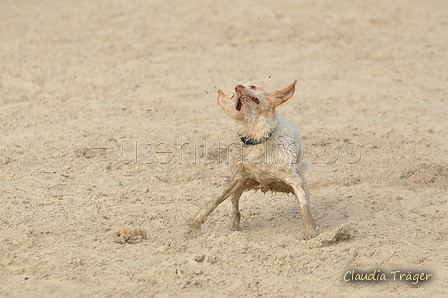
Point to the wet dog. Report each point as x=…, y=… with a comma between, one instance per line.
x=271, y=155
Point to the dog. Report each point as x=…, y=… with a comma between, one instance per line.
x=271, y=155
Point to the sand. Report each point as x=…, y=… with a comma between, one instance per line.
x=103, y=104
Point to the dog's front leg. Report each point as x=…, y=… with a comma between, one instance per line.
x=236, y=215
x=233, y=186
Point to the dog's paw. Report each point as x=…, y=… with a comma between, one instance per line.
x=309, y=235
x=310, y=230
x=236, y=227
x=192, y=226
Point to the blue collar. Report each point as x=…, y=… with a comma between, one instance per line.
x=247, y=141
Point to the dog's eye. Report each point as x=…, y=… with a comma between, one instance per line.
x=253, y=87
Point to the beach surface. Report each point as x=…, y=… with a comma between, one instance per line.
x=109, y=120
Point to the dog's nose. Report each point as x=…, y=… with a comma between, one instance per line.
x=239, y=88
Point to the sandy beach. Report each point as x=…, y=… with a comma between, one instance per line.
x=109, y=120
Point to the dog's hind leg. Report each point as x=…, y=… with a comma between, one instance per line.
x=302, y=194
x=233, y=186
x=304, y=183
x=300, y=187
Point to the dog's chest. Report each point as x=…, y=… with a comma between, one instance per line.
x=272, y=153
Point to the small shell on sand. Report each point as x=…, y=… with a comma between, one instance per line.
x=132, y=236
x=133, y=232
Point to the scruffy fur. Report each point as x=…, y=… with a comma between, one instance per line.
x=272, y=163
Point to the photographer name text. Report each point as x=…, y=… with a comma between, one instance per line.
x=377, y=275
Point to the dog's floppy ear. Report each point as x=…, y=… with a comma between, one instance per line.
x=280, y=96
x=222, y=99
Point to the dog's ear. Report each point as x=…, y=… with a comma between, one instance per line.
x=280, y=96
x=222, y=99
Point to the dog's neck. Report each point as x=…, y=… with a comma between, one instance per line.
x=256, y=130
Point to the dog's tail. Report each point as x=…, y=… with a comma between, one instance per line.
x=305, y=165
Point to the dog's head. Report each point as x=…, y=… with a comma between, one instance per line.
x=248, y=101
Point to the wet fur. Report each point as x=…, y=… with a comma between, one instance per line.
x=274, y=163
